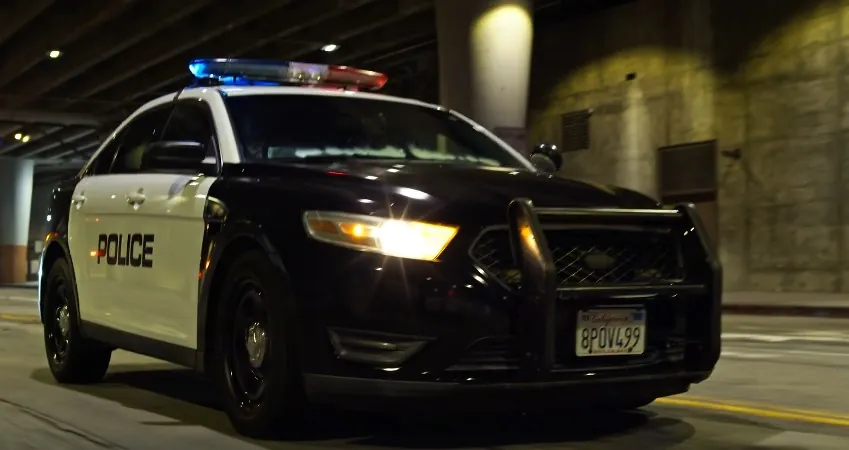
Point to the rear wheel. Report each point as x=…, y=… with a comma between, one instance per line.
x=254, y=361
x=71, y=357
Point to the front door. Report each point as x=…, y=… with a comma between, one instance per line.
x=110, y=245
x=171, y=219
x=171, y=215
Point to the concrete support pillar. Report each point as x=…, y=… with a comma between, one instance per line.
x=636, y=165
x=485, y=61
x=16, y=176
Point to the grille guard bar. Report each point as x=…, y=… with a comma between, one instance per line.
x=532, y=255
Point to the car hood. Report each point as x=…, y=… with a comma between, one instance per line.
x=461, y=184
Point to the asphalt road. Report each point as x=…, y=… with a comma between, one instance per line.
x=780, y=385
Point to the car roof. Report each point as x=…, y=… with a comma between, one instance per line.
x=239, y=91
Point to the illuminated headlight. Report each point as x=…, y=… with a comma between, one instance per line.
x=390, y=237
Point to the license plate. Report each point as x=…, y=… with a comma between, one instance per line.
x=610, y=332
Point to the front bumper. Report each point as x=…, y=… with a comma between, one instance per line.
x=583, y=394
x=487, y=343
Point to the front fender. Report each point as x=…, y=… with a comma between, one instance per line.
x=233, y=239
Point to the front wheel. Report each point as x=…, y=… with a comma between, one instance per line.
x=254, y=361
x=71, y=357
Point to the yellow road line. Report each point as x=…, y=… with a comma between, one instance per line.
x=22, y=318
x=764, y=406
x=770, y=412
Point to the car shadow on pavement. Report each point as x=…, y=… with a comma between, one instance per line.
x=183, y=396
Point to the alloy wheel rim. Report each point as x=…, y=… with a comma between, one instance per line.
x=59, y=323
x=247, y=348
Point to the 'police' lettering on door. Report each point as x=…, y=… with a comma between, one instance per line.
x=132, y=250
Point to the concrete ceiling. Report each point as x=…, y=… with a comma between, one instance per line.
x=118, y=54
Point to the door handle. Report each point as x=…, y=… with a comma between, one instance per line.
x=135, y=198
x=78, y=200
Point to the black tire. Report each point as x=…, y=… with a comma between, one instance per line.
x=263, y=397
x=72, y=358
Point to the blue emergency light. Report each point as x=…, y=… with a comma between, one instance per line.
x=241, y=72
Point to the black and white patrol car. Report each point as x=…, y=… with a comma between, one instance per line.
x=301, y=242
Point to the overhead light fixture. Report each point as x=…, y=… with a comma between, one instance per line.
x=18, y=136
x=330, y=48
x=53, y=54
x=25, y=139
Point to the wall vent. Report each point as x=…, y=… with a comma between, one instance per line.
x=575, y=130
x=687, y=169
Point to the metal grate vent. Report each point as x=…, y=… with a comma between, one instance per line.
x=687, y=169
x=575, y=130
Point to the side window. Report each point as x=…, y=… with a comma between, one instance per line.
x=101, y=164
x=192, y=122
x=136, y=137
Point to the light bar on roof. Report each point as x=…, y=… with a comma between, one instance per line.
x=232, y=71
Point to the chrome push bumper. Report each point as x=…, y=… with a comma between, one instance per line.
x=540, y=292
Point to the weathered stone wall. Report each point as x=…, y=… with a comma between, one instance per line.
x=765, y=76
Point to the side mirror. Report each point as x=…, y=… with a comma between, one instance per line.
x=174, y=156
x=546, y=158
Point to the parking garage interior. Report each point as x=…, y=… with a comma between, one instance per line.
x=739, y=107
x=733, y=106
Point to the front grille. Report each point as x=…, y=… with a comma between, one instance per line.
x=589, y=256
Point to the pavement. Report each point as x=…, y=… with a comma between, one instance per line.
x=780, y=385
x=813, y=304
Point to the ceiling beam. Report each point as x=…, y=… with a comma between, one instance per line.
x=309, y=30
x=47, y=136
x=58, y=26
x=75, y=137
x=83, y=150
x=19, y=14
x=415, y=53
x=369, y=27
x=141, y=21
x=48, y=118
x=177, y=39
x=398, y=55
x=57, y=165
x=416, y=27
x=361, y=21
x=287, y=23
x=34, y=136
x=32, y=151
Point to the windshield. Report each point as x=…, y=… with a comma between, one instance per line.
x=317, y=128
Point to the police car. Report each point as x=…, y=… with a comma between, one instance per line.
x=302, y=241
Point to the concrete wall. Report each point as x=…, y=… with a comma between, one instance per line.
x=765, y=76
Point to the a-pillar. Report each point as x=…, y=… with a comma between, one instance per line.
x=16, y=176
x=485, y=62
